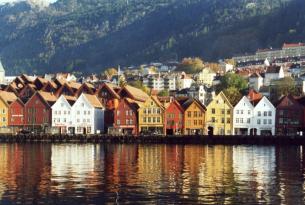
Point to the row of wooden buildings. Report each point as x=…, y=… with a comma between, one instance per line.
x=59, y=106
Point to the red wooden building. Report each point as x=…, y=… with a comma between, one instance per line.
x=173, y=118
x=110, y=100
x=37, y=111
x=126, y=116
x=289, y=116
x=16, y=114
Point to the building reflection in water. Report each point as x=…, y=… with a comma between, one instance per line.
x=150, y=174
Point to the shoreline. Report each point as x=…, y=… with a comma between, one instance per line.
x=184, y=139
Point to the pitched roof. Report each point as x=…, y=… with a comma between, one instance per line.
x=273, y=69
x=253, y=95
x=8, y=97
x=94, y=101
x=111, y=87
x=135, y=93
x=255, y=75
x=155, y=98
x=48, y=97
x=189, y=101
x=71, y=99
x=290, y=45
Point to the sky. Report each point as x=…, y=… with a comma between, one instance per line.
x=12, y=1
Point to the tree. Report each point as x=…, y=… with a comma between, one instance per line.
x=110, y=72
x=163, y=93
x=122, y=81
x=191, y=65
x=232, y=80
x=139, y=84
x=233, y=95
x=284, y=86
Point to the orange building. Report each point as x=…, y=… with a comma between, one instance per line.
x=194, y=116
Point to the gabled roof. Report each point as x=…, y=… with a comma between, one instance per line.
x=111, y=87
x=273, y=69
x=8, y=97
x=185, y=105
x=134, y=93
x=255, y=75
x=225, y=98
x=62, y=87
x=156, y=100
x=49, y=98
x=253, y=95
x=93, y=100
x=133, y=103
x=261, y=100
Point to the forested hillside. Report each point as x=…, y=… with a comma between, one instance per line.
x=89, y=35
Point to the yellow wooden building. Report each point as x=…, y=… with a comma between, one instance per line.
x=194, y=116
x=5, y=99
x=151, y=116
x=219, y=116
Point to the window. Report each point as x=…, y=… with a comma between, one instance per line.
x=213, y=119
x=78, y=120
x=127, y=122
x=127, y=112
x=222, y=120
x=158, y=110
x=258, y=121
x=248, y=120
x=130, y=112
x=259, y=113
x=55, y=112
x=148, y=111
x=237, y=111
x=131, y=122
x=281, y=112
x=195, y=113
x=118, y=113
x=241, y=112
x=223, y=111
x=78, y=112
x=88, y=129
x=213, y=110
x=189, y=114
x=158, y=119
x=228, y=120
x=65, y=112
x=270, y=113
x=265, y=121
x=200, y=122
x=249, y=112
x=281, y=120
x=84, y=120
x=79, y=129
x=199, y=114
x=144, y=119
x=149, y=119
x=83, y=104
x=85, y=112
x=154, y=119
x=237, y=120
x=241, y=120
x=265, y=113
x=3, y=119
x=269, y=121
x=144, y=110
x=88, y=120
x=228, y=112
x=118, y=122
x=65, y=120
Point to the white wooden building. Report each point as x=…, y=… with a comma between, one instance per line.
x=88, y=115
x=62, y=116
x=255, y=118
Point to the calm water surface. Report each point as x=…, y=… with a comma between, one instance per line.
x=150, y=174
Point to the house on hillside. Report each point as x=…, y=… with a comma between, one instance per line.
x=273, y=72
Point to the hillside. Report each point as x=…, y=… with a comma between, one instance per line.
x=89, y=35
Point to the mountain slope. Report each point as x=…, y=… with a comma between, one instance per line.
x=89, y=35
